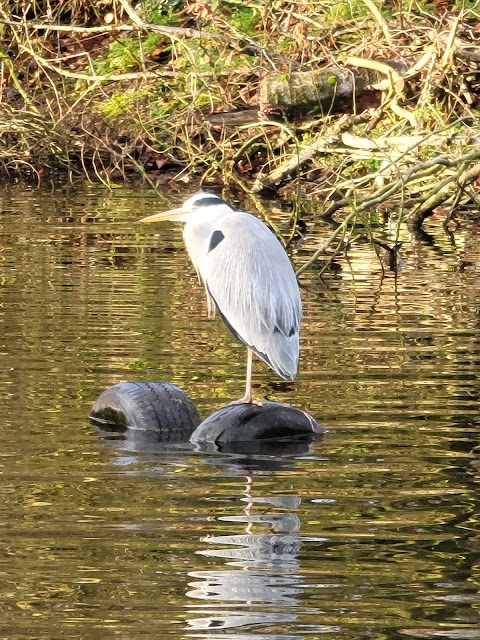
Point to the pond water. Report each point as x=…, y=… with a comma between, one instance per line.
x=371, y=533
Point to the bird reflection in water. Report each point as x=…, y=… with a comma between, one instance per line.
x=264, y=579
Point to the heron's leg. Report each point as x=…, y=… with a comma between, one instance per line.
x=248, y=384
x=247, y=398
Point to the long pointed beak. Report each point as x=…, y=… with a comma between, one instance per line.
x=172, y=214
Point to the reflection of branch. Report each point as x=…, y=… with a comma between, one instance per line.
x=442, y=191
x=340, y=229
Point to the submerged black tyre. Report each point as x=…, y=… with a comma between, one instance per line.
x=251, y=422
x=149, y=406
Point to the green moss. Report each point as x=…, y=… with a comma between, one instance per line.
x=204, y=58
x=361, y=167
x=343, y=11
x=123, y=55
x=160, y=11
x=120, y=103
x=245, y=20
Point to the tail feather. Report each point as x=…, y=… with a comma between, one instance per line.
x=281, y=354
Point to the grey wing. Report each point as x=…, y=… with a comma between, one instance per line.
x=251, y=279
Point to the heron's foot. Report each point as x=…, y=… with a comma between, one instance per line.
x=247, y=399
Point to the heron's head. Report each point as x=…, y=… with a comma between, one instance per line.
x=199, y=201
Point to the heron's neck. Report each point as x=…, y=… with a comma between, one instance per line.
x=198, y=230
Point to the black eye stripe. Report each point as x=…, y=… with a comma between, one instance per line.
x=208, y=201
x=215, y=239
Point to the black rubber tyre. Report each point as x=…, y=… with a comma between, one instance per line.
x=250, y=422
x=149, y=406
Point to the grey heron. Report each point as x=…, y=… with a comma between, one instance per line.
x=248, y=279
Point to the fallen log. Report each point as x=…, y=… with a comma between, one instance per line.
x=299, y=93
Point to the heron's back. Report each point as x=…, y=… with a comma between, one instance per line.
x=250, y=277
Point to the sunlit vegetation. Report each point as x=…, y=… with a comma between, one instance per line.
x=360, y=105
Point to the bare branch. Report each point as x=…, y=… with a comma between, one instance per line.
x=178, y=32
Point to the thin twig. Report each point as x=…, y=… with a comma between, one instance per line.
x=375, y=11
